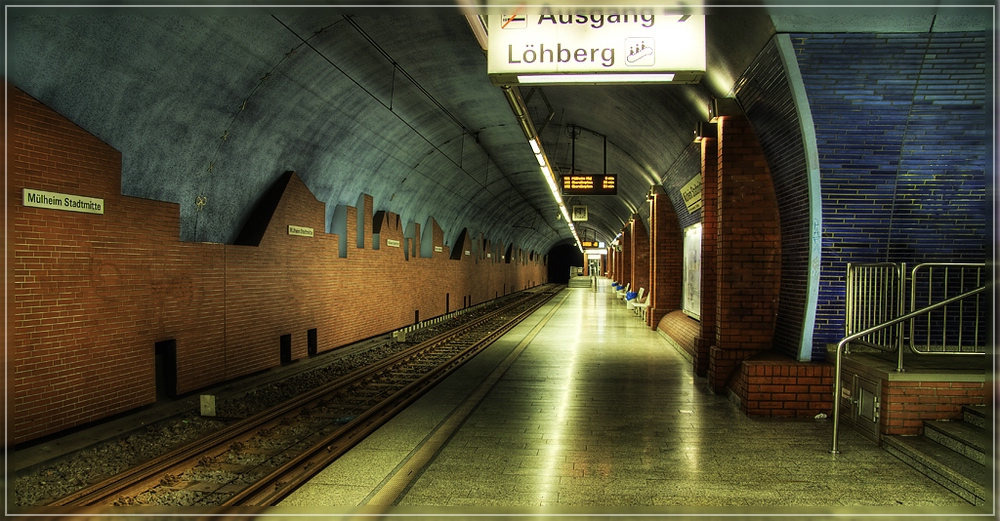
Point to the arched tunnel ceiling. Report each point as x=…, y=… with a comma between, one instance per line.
x=395, y=103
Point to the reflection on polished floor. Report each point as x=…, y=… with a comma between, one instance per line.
x=581, y=408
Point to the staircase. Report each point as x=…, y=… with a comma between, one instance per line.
x=953, y=453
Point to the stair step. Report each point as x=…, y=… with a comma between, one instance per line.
x=974, y=414
x=952, y=470
x=963, y=438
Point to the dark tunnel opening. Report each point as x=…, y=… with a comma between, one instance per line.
x=561, y=258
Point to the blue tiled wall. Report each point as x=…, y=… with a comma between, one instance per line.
x=766, y=99
x=901, y=127
x=687, y=165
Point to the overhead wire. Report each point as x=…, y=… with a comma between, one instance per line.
x=404, y=73
x=450, y=115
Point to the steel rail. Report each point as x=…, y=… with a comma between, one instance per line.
x=140, y=476
x=283, y=481
x=961, y=267
x=840, y=348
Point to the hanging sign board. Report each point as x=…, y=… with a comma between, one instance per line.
x=626, y=44
x=64, y=202
x=589, y=184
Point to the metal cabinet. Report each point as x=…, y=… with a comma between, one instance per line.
x=860, y=397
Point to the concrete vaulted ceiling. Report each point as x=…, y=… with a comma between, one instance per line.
x=217, y=103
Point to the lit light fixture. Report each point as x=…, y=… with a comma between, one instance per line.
x=703, y=130
x=722, y=107
x=521, y=112
x=594, y=79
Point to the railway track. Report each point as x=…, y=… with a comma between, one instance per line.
x=258, y=461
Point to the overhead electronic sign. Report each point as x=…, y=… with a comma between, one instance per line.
x=569, y=44
x=589, y=184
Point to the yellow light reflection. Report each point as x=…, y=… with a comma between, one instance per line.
x=553, y=453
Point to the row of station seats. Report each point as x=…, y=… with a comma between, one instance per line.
x=637, y=302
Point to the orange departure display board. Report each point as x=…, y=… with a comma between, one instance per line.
x=589, y=184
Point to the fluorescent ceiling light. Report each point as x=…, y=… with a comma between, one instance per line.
x=595, y=78
x=534, y=146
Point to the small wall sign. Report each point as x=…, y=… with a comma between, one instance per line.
x=392, y=242
x=64, y=202
x=300, y=231
x=438, y=249
x=691, y=193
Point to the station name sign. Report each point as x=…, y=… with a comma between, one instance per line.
x=300, y=231
x=691, y=193
x=589, y=184
x=573, y=40
x=64, y=202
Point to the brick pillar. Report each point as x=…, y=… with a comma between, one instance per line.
x=613, y=263
x=640, y=254
x=666, y=248
x=709, y=227
x=749, y=252
x=625, y=258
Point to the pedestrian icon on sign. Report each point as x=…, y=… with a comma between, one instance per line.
x=639, y=52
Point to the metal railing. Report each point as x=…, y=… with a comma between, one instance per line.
x=875, y=293
x=953, y=330
x=874, y=329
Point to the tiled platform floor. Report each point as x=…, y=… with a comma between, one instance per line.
x=598, y=414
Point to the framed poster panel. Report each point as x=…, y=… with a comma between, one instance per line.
x=691, y=287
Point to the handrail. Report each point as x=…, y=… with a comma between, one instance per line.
x=873, y=290
x=976, y=270
x=859, y=334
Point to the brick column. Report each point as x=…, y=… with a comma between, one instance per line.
x=666, y=252
x=613, y=263
x=749, y=252
x=640, y=254
x=625, y=257
x=709, y=252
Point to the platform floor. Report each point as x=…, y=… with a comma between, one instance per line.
x=582, y=409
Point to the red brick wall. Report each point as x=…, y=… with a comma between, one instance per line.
x=905, y=405
x=92, y=294
x=682, y=329
x=709, y=252
x=640, y=254
x=748, y=256
x=666, y=252
x=785, y=388
x=625, y=262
